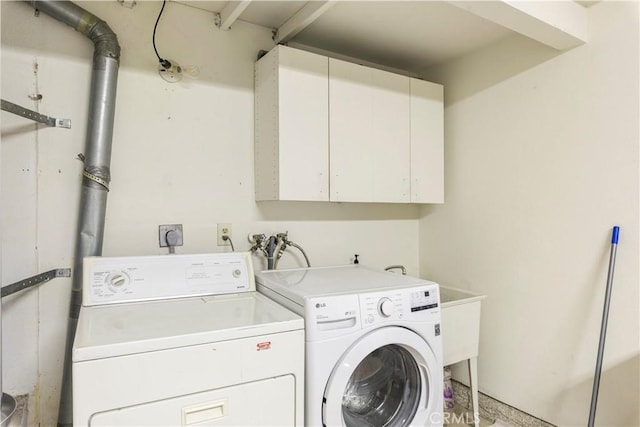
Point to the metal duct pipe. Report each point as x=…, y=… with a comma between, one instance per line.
x=97, y=158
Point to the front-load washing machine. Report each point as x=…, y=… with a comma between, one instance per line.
x=184, y=340
x=373, y=344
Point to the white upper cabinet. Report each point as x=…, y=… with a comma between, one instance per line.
x=369, y=136
x=327, y=129
x=291, y=126
x=427, y=142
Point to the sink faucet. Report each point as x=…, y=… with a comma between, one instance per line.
x=400, y=267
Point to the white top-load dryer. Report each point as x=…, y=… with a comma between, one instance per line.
x=184, y=340
x=373, y=344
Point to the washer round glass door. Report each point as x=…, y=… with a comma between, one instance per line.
x=382, y=380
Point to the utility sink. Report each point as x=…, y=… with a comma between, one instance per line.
x=460, y=324
x=461, y=334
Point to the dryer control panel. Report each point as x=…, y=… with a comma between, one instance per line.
x=110, y=280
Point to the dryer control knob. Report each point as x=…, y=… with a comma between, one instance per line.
x=385, y=307
x=118, y=281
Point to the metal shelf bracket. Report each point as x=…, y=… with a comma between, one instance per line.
x=35, y=116
x=35, y=280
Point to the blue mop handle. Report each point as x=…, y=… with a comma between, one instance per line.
x=614, y=235
x=603, y=328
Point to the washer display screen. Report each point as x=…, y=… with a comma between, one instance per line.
x=384, y=389
x=423, y=300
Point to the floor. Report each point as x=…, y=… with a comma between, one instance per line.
x=501, y=414
x=462, y=417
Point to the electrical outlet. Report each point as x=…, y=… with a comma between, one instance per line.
x=176, y=233
x=224, y=229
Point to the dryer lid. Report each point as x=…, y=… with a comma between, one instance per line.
x=122, y=329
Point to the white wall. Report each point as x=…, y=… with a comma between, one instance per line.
x=182, y=153
x=541, y=161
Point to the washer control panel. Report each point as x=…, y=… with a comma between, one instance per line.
x=110, y=280
x=424, y=300
x=406, y=304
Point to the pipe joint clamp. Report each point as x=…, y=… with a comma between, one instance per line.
x=95, y=178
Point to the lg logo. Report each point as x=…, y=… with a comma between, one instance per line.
x=321, y=305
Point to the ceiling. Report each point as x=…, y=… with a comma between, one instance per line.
x=403, y=35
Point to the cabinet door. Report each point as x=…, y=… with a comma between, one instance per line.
x=427, y=142
x=291, y=126
x=369, y=135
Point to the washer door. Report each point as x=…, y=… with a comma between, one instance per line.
x=384, y=379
